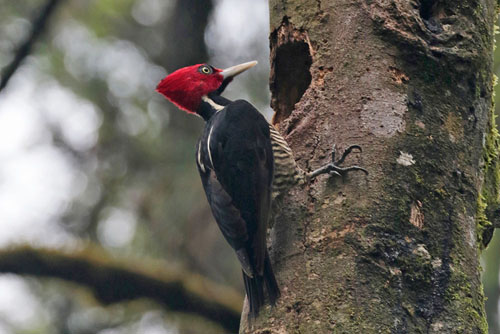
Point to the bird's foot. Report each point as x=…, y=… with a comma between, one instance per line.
x=334, y=168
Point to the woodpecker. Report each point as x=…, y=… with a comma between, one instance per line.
x=243, y=162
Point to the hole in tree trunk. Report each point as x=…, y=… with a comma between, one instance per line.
x=290, y=78
x=426, y=9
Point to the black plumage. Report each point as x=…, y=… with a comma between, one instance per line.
x=235, y=162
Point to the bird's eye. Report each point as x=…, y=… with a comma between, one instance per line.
x=205, y=69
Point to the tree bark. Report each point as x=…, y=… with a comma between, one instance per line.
x=396, y=251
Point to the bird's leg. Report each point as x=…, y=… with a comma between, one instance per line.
x=333, y=168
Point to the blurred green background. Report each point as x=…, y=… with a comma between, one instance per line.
x=91, y=155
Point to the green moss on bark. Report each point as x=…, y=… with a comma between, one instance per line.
x=488, y=200
x=395, y=252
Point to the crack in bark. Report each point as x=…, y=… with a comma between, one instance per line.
x=318, y=2
x=310, y=197
x=315, y=145
x=441, y=278
x=433, y=28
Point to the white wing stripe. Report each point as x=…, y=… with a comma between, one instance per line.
x=199, y=160
x=208, y=146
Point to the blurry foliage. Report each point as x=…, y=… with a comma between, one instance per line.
x=142, y=163
x=139, y=189
x=490, y=259
x=113, y=280
x=491, y=283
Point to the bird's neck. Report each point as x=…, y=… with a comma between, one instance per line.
x=210, y=105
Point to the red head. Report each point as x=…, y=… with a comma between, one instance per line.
x=186, y=86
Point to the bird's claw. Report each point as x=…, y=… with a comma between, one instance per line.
x=341, y=171
x=334, y=168
x=347, y=151
x=334, y=173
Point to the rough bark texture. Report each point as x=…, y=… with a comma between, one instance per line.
x=396, y=251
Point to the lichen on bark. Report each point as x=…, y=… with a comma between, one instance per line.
x=397, y=251
x=489, y=199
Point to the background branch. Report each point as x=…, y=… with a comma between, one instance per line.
x=39, y=25
x=116, y=281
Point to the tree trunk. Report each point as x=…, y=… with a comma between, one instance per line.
x=395, y=251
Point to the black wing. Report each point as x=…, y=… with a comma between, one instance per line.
x=236, y=169
x=228, y=217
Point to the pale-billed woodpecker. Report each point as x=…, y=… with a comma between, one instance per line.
x=243, y=162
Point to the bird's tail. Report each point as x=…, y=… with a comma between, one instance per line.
x=254, y=287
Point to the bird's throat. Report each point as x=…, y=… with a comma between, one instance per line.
x=210, y=105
